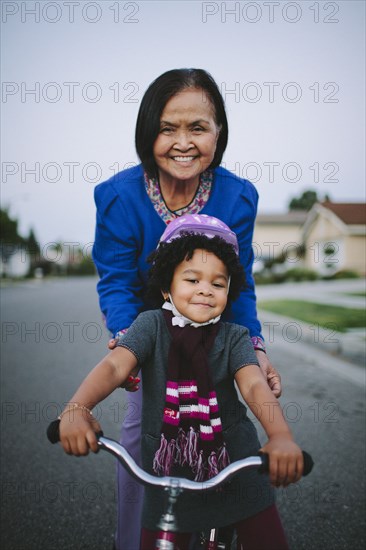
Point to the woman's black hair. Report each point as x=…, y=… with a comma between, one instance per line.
x=168, y=256
x=160, y=91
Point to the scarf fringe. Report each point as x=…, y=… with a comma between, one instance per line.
x=201, y=470
x=213, y=468
x=184, y=451
x=223, y=458
x=190, y=449
x=160, y=457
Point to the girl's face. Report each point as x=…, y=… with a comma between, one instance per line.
x=186, y=144
x=199, y=287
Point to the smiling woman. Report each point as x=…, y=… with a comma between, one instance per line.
x=181, y=136
x=185, y=146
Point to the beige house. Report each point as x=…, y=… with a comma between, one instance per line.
x=330, y=237
x=277, y=235
x=335, y=237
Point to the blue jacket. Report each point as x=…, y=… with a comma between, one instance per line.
x=128, y=228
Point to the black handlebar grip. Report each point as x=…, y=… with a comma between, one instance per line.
x=53, y=431
x=264, y=468
x=308, y=463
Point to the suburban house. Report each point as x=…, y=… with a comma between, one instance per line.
x=335, y=237
x=331, y=237
x=278, y=235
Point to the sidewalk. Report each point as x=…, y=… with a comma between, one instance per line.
x=324, y=292
x=277, y=328
x=350, y=346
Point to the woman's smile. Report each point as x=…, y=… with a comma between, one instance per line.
x=183, y=159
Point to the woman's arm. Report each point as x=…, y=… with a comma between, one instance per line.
x=286, y=461
x=115, y=257
x=244, y=309
x=77, y=428
x=270, y=373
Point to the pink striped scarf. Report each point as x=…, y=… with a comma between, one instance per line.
x=191, y=431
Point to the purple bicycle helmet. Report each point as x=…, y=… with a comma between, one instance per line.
x=201, y=224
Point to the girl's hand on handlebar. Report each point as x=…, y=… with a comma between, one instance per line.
x=286, y=461
x=77, y=433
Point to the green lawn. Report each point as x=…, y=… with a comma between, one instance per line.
x=334, y=317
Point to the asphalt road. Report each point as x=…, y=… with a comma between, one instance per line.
x=52, y=334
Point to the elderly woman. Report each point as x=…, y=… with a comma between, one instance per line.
x=181, y=136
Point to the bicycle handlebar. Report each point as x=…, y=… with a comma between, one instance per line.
x=167, y=481
x=261, y=462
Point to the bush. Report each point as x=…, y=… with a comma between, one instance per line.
x=265, y=277
x=343, y=274
x=301, y=274
x=295, y=274
x=85, y=267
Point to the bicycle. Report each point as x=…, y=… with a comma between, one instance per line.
x=174, y=486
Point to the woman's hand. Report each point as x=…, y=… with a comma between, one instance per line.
x=270, y=374
x=112, y=343
x=77, y=432
x=285, y=460
x=132, y=382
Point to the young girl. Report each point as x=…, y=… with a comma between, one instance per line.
x=193, y=423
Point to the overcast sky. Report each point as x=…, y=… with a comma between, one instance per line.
x=73, y=74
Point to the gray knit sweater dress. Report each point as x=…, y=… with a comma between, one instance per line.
x=247, y=493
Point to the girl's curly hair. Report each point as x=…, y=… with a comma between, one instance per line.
x=168, y=256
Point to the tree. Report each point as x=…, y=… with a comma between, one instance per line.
x=32, y=244
x=305, y=202
x=9, y=229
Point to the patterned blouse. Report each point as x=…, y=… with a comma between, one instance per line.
x=198, y=202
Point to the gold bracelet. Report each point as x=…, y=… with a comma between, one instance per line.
x=73, y=407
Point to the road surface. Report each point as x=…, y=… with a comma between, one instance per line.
x=52, y=334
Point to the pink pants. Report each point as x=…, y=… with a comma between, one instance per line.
x=263, y=531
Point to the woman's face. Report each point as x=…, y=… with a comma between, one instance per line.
x=186, y=144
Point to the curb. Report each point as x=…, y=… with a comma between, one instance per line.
x=350, y=346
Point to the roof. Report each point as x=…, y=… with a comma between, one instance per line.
x=293, y=217
x=351, y=213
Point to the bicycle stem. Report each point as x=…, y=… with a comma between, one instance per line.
x=168, y=520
